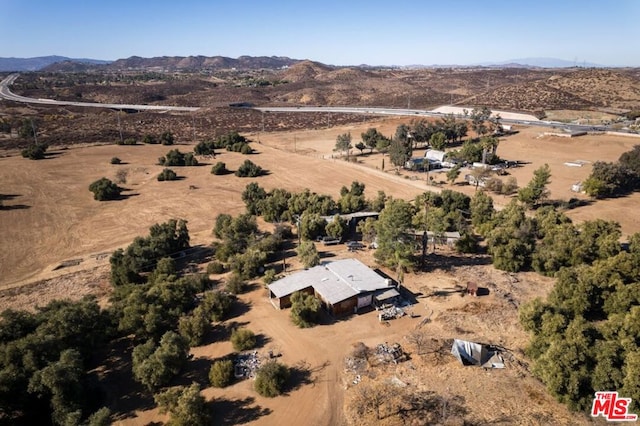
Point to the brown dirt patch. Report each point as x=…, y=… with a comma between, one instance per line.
x=61, y=223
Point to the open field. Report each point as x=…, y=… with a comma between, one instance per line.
x=54, y=219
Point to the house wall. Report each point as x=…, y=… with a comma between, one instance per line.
x=346, y=307
x=285, y=301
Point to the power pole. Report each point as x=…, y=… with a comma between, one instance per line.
x=33, y=129
x=193, y=125
x=120, y=126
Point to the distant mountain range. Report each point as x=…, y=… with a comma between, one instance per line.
x=541, y=63
x=182, y=63
x=40, y=62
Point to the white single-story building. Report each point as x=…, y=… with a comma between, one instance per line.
x=344, y=286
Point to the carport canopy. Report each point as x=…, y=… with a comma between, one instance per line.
x=387, y=294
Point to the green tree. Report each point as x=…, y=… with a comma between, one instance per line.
x=166, y=138
x=186, y=406
x=610, y=179
x=235, y=284
x=479, y=118
x=371, y=138
x=536, y=190
x=249, y=169
x=274, y=207
x=175, y=158
x=305, y=309
x=438, y=141
x=368, y=229
x=489, y=147
x=104, y=189
x=399, y=152
x=311, y=226
x=116, y=160
x=102, y=417
x=343, y=143
x=352, y=200
x=243, y=339
x=271, y=379
x=206, y=147
x=360, y=146
x=217, y=305
x=167, y=174
x=219, y=168
x=153, y=366
x=35, y=151
x=308, y=254
x=252, y=196
x=377, y=204
x=221, y=373
x=62, y=383
x=511, y=241
x=143, y=254
x=382, y=145
x=195, y=326
x=453, y=173
x=566, y=367
x=149, y=139
x=394, y=245
x=165, y=270
x=337, y=227
x=247, y=265
x=236, y=233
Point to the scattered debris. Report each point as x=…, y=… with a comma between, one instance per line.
x=393, y=353
x=390, y=312
x=246, y=365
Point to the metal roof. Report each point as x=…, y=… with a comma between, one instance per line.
x=334, y=281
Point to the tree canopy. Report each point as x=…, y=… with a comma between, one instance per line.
x=104, y=189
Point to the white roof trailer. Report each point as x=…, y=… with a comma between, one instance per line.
x=434, y=154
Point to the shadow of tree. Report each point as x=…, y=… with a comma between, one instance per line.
x=238, y=309
x=122, y=394
x=262, y=340
x=15, y=207
x=236, y=411
x=9, y=197
x=196, y=370
x=446, y=262
x=302, y=374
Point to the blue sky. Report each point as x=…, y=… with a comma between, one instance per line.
x=340, y=32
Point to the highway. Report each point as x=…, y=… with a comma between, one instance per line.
x=425, y=113
x=5, y=93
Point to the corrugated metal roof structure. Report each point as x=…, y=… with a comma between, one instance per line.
x=334, y=281
x=472, y=353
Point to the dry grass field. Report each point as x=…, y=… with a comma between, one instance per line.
x=54, y=219
x=56, y=240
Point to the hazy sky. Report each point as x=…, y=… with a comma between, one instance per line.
x=339, y=32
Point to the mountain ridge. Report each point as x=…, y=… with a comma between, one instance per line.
x=57, y=63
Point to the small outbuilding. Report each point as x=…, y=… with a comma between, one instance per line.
x=472, y=353
x=472, y=289
x=435, y=155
